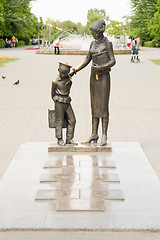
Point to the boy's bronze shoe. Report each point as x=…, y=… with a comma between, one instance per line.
x=70, y=141
x=60, y=142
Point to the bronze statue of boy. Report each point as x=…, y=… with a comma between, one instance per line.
x=63, y=109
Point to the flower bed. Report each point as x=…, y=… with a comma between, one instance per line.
x=156, y=61
x=5, y=57
x=31, y=48
x=4, y=60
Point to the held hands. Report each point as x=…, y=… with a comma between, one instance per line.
x=72, y=72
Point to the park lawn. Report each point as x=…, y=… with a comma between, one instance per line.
x=157, y=62
x=4, y=61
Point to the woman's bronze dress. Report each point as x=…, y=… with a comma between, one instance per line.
x=101, y=53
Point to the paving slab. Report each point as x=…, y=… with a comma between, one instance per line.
x=139, y=212
x=134, y=102
x=134, y=114
x=78, y=235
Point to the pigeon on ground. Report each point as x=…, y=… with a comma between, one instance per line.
x=16, y=83
x=3, y=77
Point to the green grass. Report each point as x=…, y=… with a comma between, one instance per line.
x=3, y=62
x=157, y=62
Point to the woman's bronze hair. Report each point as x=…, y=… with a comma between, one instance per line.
x=98, y=26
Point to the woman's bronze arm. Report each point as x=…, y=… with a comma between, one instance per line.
x=85, y=62
x=112, y=60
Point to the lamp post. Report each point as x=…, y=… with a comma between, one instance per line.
x=117, y=30
x=124, y=35
x=48, y=33
x=44, y=36
x=59, y=29
x=51, y=34
x=129, y=20
x=38, y=31
x=111, y=31
x=120, y=32
x=107, y=31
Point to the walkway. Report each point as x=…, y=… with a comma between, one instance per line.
x=134, y=110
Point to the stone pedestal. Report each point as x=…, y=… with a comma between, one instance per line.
x=93, y=147
x=22, y=184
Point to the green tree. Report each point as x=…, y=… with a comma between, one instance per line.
x=155, y=23
x=2, y=21
x=69, y=25
x=143, y=12
x=81, y=28
x=17, y=18
x=112, y=28
x=93, y=15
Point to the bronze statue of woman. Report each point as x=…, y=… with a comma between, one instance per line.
x=101, y=54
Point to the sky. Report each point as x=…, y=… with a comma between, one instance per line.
x=76, y=11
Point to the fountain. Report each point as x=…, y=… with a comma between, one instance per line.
x=79, y=44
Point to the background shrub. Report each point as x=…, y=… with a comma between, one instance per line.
x=150, y=43
x=26, y=40
x=154, y=42
x=142, y=42
x=20, y=43
x=2, y=43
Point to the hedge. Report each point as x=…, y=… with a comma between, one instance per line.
x=26, y=40
x=20, y=44
x=150, y=43
x=2, y=43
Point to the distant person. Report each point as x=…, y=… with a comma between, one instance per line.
x=6, y=42
x=56, y=46
x=135, y=48
x=129, y=42
x=33, y=41
x=13, y=41
x=9, y=43
x=38, y=41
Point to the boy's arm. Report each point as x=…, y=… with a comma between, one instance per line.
x=53, y=89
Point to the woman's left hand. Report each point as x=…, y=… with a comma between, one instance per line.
x=97, y=68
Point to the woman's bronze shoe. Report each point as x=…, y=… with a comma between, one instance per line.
x=103, y=140
x=93, y=138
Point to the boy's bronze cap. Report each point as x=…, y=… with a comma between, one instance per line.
x=65, y=65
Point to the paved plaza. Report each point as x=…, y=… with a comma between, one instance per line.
x=134, y=114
